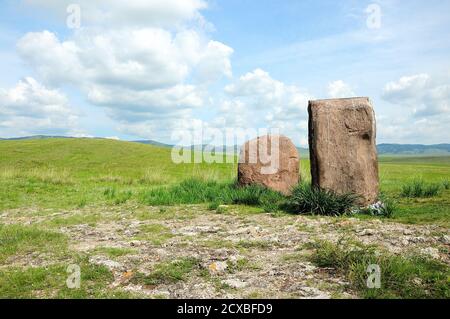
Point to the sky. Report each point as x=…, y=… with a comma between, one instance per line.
x=150, y=69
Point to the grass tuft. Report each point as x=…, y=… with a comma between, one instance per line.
x=169, y=272
x=197, y=191
x=419, y=189
x=413, y=277
x=306, y=199
x=20, y=240
x=384, y=208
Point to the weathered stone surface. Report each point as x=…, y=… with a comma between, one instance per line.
x=342, y=141
x=271, y=161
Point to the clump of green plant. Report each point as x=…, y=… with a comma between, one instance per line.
x=213, y=205
x=110, y=193
x=82, y=203
x=169, y=272
x=413, y=277
x=197, y=191
x=118, y=198
x=386, y=207
x=306, y=199
x=20, y=240
x=123, y=197
x=446, y=184
x=50, y=282
x=419, y=189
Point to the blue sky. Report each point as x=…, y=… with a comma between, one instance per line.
x=145, y=69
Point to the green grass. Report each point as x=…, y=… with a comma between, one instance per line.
x=50, y=282
x=419, y=189
x=114, y=252
x=310, y=200
x=168, y=272
x=18, y=240
x=154, y=233
x=196, y=191
x=407, y=277
x=398, y=171
x=76, y=219
x=77, y=173
x=85, y=175
x=61, y=173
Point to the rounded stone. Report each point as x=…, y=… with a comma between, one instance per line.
x=271, y=161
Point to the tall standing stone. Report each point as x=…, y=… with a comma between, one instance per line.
x=342, y=142
x=271, y=161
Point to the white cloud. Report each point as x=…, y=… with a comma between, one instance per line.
x=257, y=100
x=30, y=108
x=421, y=94
x=143, y=101
x=407, y=88
x=148, y=75
x=421, y=113
x=340, y=89
x=139, y=58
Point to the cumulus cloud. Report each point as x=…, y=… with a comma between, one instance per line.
x=421, y=113
x=148, y=75
x=258, y=100
x=421, y=94
x=30, y=108
x=340, y=89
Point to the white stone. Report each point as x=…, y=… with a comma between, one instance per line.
x=235, y=283
x=217, y=267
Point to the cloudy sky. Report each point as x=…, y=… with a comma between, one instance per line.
x=142, y=69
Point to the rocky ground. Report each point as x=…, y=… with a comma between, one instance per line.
x=231, y=252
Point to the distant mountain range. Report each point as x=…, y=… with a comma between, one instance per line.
x=34, y=137
x=383, y=149
x=414, y=149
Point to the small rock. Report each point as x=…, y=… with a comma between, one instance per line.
x=432, y=252
x=217, y=267
x=314, y=293
x=235, y=283
x=110, y=264
x=131, y=232
x=407, y=232
x=253, y=169
x=367, y=232
x=135, y=243
x=417, y=281
x=445, y=239
x=417, y=240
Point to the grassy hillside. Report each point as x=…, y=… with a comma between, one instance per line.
x=66, y=173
